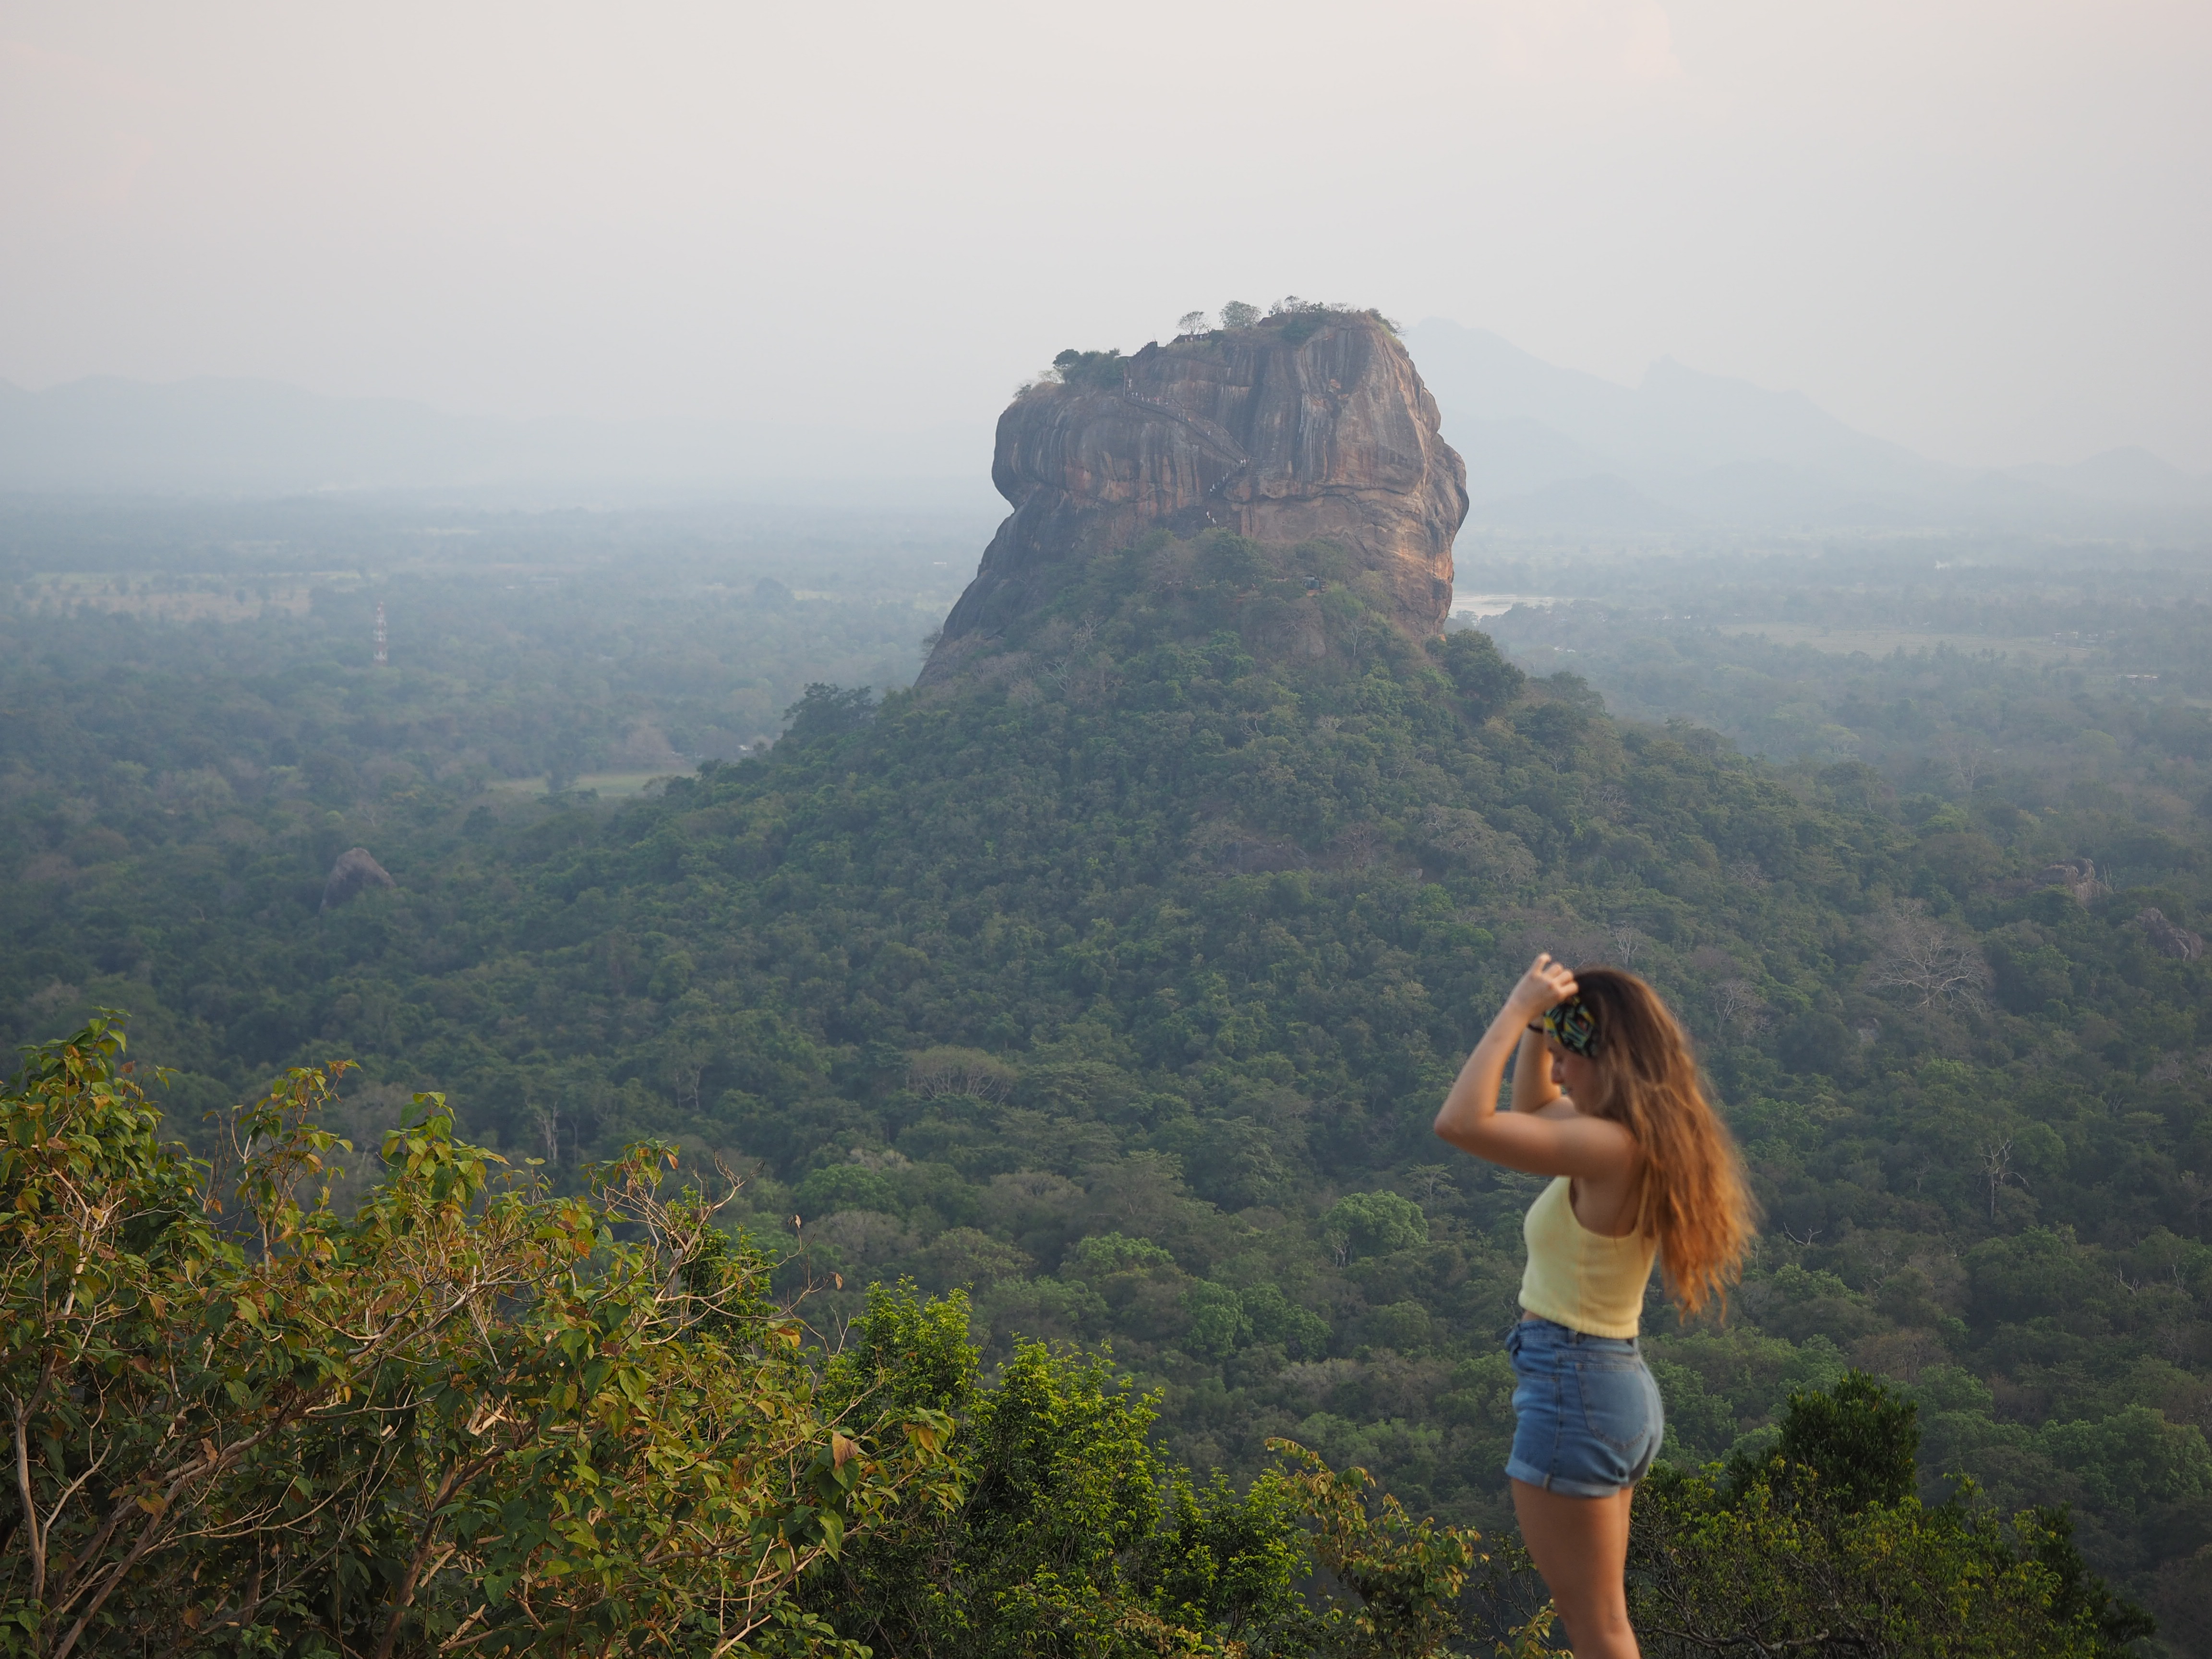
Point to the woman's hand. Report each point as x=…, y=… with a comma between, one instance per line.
x=1531, y=1140
x=1542, y=988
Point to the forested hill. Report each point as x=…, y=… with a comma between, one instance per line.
x=1118, y=978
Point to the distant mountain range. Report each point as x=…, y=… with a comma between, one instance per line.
x=1546, y=448
x=1550, y=447
x=260, y=437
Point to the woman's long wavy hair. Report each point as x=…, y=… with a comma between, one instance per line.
x=1694, y=1201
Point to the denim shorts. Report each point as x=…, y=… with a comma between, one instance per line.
x=1590, y=1420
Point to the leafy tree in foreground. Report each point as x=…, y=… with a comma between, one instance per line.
x=476, y=1418
x=1076, y=1536
x=1823, y=1549
x=471, y=1418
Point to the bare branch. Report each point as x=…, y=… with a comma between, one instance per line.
x=1932, y=966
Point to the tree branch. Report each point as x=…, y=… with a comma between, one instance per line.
x=405, y=1596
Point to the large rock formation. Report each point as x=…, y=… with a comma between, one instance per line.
x=355, y=870
x=1311, y=425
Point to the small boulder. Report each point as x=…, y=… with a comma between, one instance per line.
x=2077, y=876
x=353, y=870
x=2170, y=939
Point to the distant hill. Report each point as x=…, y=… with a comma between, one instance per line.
x=1546, y=447
x=261, y=436
x=1595, y=501
x=1678, y=422
x=2132, y=474
x=1551, y=447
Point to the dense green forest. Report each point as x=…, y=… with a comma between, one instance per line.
x=1116, y=985
x=520, y=645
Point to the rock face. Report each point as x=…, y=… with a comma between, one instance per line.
x=2169, y=937
x=1309, y=426
x=353, y=870
x=2078, y=876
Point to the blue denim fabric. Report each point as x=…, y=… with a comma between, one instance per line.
x=1590, y=1420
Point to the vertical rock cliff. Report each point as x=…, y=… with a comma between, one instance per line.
x=1311, y=425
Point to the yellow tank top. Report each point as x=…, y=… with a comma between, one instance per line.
x=1579, y=1279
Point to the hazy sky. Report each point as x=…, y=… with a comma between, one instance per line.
x=1980, y=227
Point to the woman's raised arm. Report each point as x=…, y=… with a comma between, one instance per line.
x=1523, y=1139
x=1533, y=1088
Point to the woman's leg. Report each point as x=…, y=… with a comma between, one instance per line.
x=1580, y=1547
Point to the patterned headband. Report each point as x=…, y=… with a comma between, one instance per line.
x=1574, y=1027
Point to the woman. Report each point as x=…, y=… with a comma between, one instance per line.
x=1606, y=1101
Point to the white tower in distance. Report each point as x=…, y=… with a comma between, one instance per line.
x=383, y=656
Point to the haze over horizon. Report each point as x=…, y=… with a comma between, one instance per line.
x=1964, y=228
x=1546, y=449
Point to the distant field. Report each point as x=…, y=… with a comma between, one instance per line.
x=184, y=598
x=1881, y=641
x=1478, y=607
x=610, y=785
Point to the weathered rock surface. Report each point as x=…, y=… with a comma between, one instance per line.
x=2169, y=937
x=1310, y=426
x=355, y=870
x=2078, y=876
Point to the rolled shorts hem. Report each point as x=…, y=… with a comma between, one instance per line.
x=1529, y=1475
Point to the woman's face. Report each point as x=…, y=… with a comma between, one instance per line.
x=1570, y=1070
